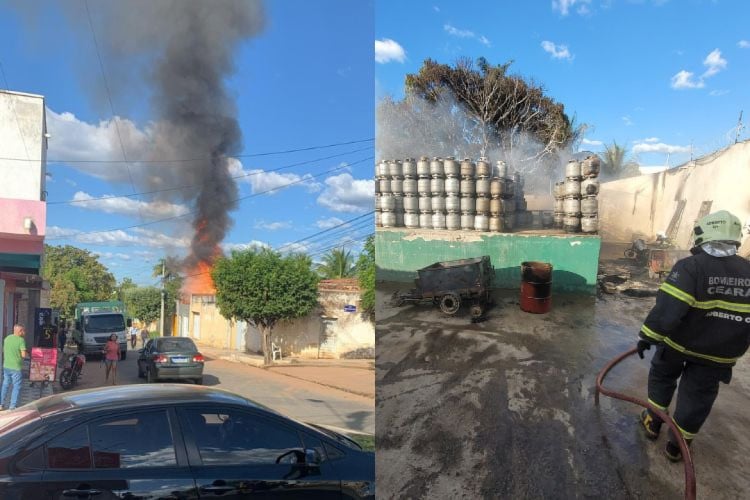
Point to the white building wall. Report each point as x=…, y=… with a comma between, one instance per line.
x=22, y=130
x=639, y=207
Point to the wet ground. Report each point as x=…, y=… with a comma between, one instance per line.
x=505, y=408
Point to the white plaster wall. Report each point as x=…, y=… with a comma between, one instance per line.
x=22, y=129
x=644, y=205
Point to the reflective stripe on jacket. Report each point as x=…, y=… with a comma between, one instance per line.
x=703, y=309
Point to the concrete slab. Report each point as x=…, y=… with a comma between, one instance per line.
x=505, y=409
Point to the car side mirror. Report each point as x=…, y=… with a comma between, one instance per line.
x=140, y=351
x=312, y=457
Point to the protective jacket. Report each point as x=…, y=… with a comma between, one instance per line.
x=703, y=309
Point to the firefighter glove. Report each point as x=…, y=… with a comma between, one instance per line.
x=643, y=345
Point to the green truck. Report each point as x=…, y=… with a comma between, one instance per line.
x=96, y=321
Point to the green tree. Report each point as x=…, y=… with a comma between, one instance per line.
x=366, y=275
x=143, y=303
x=75, y=275
x=338, y=263
x=123, y=286
x=262, y=288
x=615, y=162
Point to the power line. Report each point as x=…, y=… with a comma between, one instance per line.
x=109, y=98
x=312, y=236
x=191, y=212
x=251, y=174
x=184, y=160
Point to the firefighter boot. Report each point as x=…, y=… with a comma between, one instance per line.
x=651, y=424
x=672, y=449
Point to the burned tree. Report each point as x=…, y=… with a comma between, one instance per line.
x=475, y=110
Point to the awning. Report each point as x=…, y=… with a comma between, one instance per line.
x=20, y=263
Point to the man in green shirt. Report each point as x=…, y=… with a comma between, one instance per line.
x=14, y=350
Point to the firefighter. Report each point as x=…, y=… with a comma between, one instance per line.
x=701, y=327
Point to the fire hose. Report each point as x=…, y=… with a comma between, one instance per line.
x=688, y=460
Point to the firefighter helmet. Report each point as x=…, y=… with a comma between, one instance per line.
x=718, y=226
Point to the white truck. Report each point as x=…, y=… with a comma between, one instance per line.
x=96, y=321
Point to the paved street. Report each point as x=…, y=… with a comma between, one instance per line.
x=299, y=399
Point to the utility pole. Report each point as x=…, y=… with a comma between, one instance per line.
x=161, y=314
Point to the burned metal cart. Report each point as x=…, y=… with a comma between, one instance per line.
x=449, y=283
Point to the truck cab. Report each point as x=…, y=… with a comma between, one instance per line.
x=94, y=325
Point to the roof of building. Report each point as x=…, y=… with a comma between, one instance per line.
x=339, y=285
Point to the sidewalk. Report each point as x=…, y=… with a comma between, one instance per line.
x=28, y=393
x=356, y=376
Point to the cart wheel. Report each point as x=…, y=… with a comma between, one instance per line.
x=630, y=254
x=476, y=311
x=450, y=303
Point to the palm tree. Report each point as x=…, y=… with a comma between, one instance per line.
x=338, y=263
x=615, y=164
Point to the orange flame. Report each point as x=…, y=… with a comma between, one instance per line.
x=198, y=280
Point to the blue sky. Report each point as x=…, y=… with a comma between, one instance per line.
x=659, y=77
x=307, y=79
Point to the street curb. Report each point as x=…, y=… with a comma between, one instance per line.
x=350, y=391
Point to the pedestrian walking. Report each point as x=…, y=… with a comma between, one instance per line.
x=62, y=337
x=701, y=327
x=14, y=349
x=144, y=336
x=111, y=357
x=133, y=336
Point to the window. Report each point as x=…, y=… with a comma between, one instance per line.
x=236, y=437
x=137, y=440
x=70, y=450
x=106, y=323
x=176, y=344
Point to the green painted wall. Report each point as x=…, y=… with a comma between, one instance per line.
x=574, y=258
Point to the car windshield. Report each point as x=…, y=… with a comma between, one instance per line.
x=104, y=323
x=176, y=345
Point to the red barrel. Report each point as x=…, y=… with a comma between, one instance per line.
x=536, y=287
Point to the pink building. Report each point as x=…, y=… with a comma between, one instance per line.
x=23, y=209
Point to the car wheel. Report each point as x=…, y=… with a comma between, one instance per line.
x=150, y=377
x=199, y=381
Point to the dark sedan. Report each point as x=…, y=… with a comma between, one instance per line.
x=170, y=358
x=172, y=442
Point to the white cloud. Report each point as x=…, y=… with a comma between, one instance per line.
x=743, y=44
x=253, y=244
x=564, y=6
x=453, y=31
x=649, y=139
x=387, y=50
x=589, y=142
x=270, y=182
x=329, y=222
x=71, y=182
x=659, y=147
x=296, y=247
x=273, y=226
x=110, y=255
x=714, y=62
x=139, y=237
x=557, y=51
x=627, y=121
x=684, y=80
x=128, y=206
x=716, y=93
x=343, y=193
